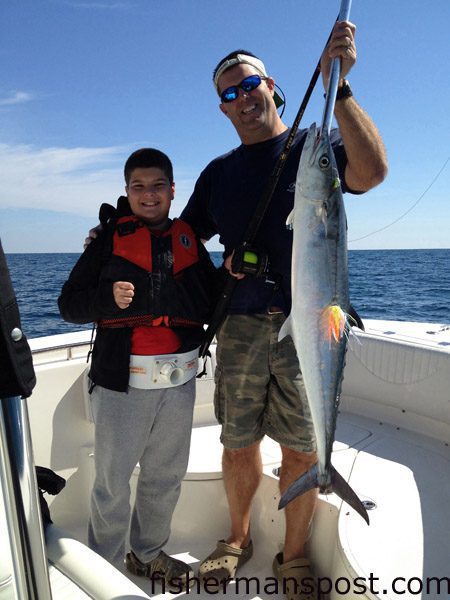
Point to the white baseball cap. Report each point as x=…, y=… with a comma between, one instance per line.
x=247, y=60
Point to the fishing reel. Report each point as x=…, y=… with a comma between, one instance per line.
x=250, y=261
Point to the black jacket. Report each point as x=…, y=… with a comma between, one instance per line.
x=87, y=297
x=16, y=365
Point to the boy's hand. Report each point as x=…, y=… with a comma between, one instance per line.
x=123, y=292
x=93, y=233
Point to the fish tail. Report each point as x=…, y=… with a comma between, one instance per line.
x=307, y=481
x=339, y=486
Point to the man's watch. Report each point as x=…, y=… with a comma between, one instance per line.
x=345, y=91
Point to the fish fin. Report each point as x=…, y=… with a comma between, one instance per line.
x=340, y=487
x=290, y=220
x=354, y=319
x=334, y=322
x=286, y=329
x=336, y=183
x=307, y=481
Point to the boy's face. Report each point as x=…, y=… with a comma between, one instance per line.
x=150, y=193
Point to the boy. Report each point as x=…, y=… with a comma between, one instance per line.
x=147, y=282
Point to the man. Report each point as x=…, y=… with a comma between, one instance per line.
x=259, y=389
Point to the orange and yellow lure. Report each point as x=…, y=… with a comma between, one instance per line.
x=334, y=323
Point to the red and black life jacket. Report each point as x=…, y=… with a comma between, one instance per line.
x=165, y=270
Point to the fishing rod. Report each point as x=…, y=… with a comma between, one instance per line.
x=335, y=72
x=244, y=252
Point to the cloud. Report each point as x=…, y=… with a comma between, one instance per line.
x=70, y=180
x=16, y=98
x=74, y=180
x=50, y=197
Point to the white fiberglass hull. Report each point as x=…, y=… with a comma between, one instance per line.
x=391, y=444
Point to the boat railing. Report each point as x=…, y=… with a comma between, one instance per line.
x=21, y=502
x=61, y=347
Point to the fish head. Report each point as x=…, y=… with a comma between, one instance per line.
x=317, y=178
x=317, y=164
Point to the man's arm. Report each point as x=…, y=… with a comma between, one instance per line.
x=367, y=162
x=196, y=212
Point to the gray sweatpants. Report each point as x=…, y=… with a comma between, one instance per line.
x=152, y=427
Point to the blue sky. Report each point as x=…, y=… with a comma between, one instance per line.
x=84, y=83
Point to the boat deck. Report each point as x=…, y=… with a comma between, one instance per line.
x=392, y=444
x=406, y=544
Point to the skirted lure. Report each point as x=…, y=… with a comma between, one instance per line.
x=334, y=323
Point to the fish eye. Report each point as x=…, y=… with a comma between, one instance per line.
x=324, y=161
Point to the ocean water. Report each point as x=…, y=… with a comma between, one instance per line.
x=402, y=285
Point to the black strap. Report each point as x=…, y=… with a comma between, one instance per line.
x=255, y=222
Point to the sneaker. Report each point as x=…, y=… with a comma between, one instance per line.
x=171, y=570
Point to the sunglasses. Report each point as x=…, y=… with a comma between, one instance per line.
x=247, y=85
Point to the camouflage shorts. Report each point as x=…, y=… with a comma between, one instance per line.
x=259, y=387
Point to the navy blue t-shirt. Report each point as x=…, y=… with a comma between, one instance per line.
x=225, y=198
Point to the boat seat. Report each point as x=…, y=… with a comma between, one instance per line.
x=205, y=458
x=75, y=571
x=89, y=571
